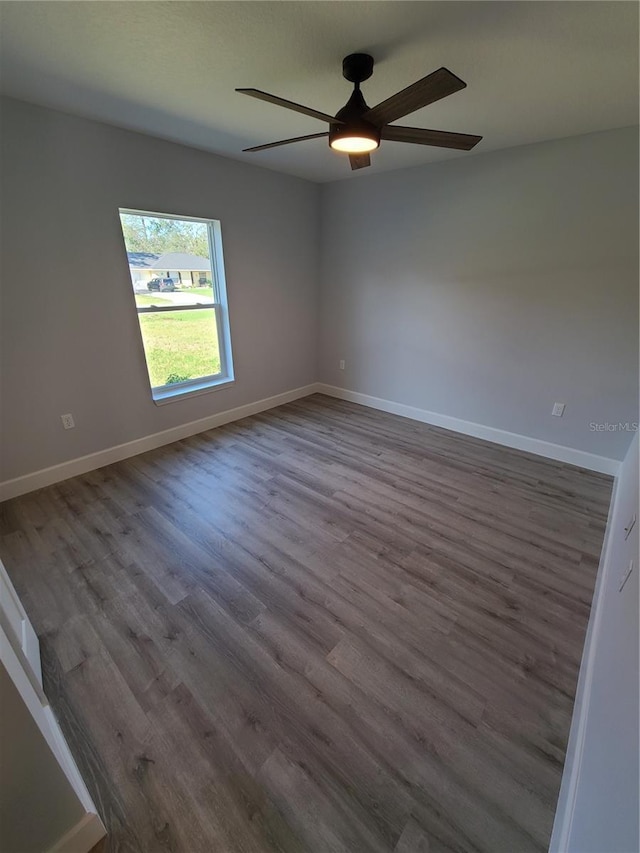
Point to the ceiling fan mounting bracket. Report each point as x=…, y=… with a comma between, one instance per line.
x=357, y=67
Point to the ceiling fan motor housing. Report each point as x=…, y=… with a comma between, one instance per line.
x=352, y=122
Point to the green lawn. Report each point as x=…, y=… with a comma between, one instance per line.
x=201, y=291
x=180, y=345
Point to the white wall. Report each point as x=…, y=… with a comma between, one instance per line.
x=69, y=335
x=598, y=805
x=488, y=287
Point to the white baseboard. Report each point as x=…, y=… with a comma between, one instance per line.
x=81, y=837
x=74, y=467
x=499, y=436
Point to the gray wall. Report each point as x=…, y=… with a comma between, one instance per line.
x=488, y=287
x=70, y=338
x=483, y=288
x=605, y=813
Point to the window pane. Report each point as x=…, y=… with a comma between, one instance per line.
x=168, y=258
x=175, y=268
x=180, y=345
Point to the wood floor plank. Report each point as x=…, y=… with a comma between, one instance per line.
x=414, y=840
x=322, y=628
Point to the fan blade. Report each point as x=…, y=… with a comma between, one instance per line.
x=359, y=161
x=431, y=88
x=439, y=138
x=286, y=141
x=289, y=105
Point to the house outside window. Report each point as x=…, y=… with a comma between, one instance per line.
x=177, y=274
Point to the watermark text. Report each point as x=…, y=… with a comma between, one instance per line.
x=621, y=426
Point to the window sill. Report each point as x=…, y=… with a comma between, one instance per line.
x=162, y=396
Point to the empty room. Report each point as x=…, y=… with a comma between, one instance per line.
x=319, y=427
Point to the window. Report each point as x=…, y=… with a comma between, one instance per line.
x=177, y=275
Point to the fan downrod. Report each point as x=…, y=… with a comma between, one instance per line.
x=357, y=67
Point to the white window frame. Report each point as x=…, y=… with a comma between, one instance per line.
x=162, y=394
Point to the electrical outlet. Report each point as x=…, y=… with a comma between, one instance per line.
x=625, y=577
x=558, y=410
x=342, y=364
x=67, y=421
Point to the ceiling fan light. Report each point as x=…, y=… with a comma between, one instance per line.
x=353, y=137
x=354, y=144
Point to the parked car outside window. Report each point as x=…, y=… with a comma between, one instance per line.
x=166, y=284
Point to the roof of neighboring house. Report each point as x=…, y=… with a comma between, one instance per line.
x=168, y=261
x=182, y=261
x=142, y=260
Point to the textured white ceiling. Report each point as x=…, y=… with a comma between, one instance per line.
x=535, y=70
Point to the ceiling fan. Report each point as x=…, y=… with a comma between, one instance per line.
x=357, y=129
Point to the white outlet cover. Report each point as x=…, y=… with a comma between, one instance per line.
x=558, y=410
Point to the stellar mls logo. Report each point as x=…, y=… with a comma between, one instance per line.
x=619, y=427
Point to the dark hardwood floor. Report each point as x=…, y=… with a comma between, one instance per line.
x=322, y=628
